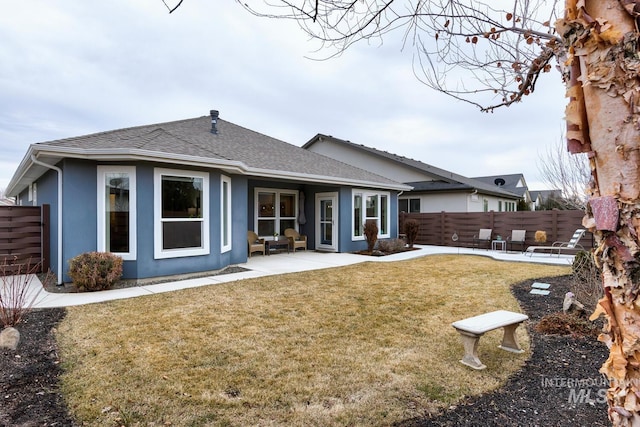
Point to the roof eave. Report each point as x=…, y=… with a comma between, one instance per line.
x=229, y=166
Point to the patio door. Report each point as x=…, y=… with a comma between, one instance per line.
x=327, y=221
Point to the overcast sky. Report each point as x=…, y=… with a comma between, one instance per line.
x=75, y=67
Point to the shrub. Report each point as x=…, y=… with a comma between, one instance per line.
x=587, y=279
x=371, y=234
x=411, y=228
x=95, y=271
x=540, y=236
x=391, y=246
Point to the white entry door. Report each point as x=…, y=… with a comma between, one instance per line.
x=327, y=221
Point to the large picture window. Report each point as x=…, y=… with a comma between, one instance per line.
x=181, y=213
x=376, y=208
x=116, y=210
x=275, y=211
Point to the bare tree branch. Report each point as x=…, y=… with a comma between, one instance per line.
x=504, y=50
x=172, y=9
x=566, y=172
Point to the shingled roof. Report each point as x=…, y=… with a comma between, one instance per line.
x=443, y=180
x=233, y=148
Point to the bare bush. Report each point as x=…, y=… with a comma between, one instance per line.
x=17, y=296
x=587, y=280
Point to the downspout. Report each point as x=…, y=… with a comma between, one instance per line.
x=59, y=171
x=398, y=215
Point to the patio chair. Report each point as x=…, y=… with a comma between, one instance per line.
x=483, y=236
x=558, y=247
x=296, y=240
x=517, y=238
x=256, y=244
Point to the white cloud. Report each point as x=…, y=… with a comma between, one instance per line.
x=78, y=67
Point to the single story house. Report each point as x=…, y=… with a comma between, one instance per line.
x=434, y=189
x=179, y=197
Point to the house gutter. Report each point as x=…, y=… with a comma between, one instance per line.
x=59, y=171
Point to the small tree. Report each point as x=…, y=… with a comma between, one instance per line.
x=371, y=234
x=411, y=229
x=568, y=173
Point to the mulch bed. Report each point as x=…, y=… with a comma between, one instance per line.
x=543, y=392
x=537, y=395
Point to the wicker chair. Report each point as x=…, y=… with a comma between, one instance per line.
x=255, y=243
x=296, y=240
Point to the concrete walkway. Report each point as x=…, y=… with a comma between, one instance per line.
x=259, y=265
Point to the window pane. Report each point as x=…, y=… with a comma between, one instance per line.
x=181, y=197
x=177, y=235
x=288, y=205
x=383, y=215
x=117, y=212
x=266, y=227
x=372, y=206
x=415, y=206
x=403, y=205
x=357, y=215
x=287, y=223
x=225, y=213
x=266, y=203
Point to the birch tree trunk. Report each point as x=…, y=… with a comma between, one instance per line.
x=603, y=120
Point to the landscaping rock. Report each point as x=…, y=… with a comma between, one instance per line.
x=9, y=338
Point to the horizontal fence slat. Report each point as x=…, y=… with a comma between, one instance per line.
x=21, y=237
x=439, y=228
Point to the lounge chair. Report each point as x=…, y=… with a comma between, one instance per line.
x=517, y=238
x=296, y=240
x=256, y=244
x=483, y=236
x=558, y=247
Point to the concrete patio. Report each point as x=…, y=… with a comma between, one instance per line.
x=258, y=266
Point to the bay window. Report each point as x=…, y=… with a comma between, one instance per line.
x=225, y=213
x=181, y=213
x=117, y=210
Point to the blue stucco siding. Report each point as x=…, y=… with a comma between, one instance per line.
x=80, y=217
x=47, y=194
x=147, y=266
x=79, y=209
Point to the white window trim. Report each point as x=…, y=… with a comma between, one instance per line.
x=102, y=238
x=276, y=218
x=158, y=251
x=365, y=194
x=225, y=225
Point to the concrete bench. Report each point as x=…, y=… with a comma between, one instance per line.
x=473, y=328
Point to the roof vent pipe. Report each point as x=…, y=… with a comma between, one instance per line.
x=214, y=121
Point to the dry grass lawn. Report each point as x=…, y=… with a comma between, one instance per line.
x=367, y=344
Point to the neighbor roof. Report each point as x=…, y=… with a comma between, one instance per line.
x=445, y=180
x=507, y=182
x=234, y=149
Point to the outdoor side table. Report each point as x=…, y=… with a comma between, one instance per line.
x=275, y=244
x=501, y=243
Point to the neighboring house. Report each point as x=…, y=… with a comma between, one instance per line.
x=514, y=183
x=542, y=199
x=179, y=197
x=434, y=189
x=5, y=201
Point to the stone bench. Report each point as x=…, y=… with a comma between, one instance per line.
x=472, y=328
